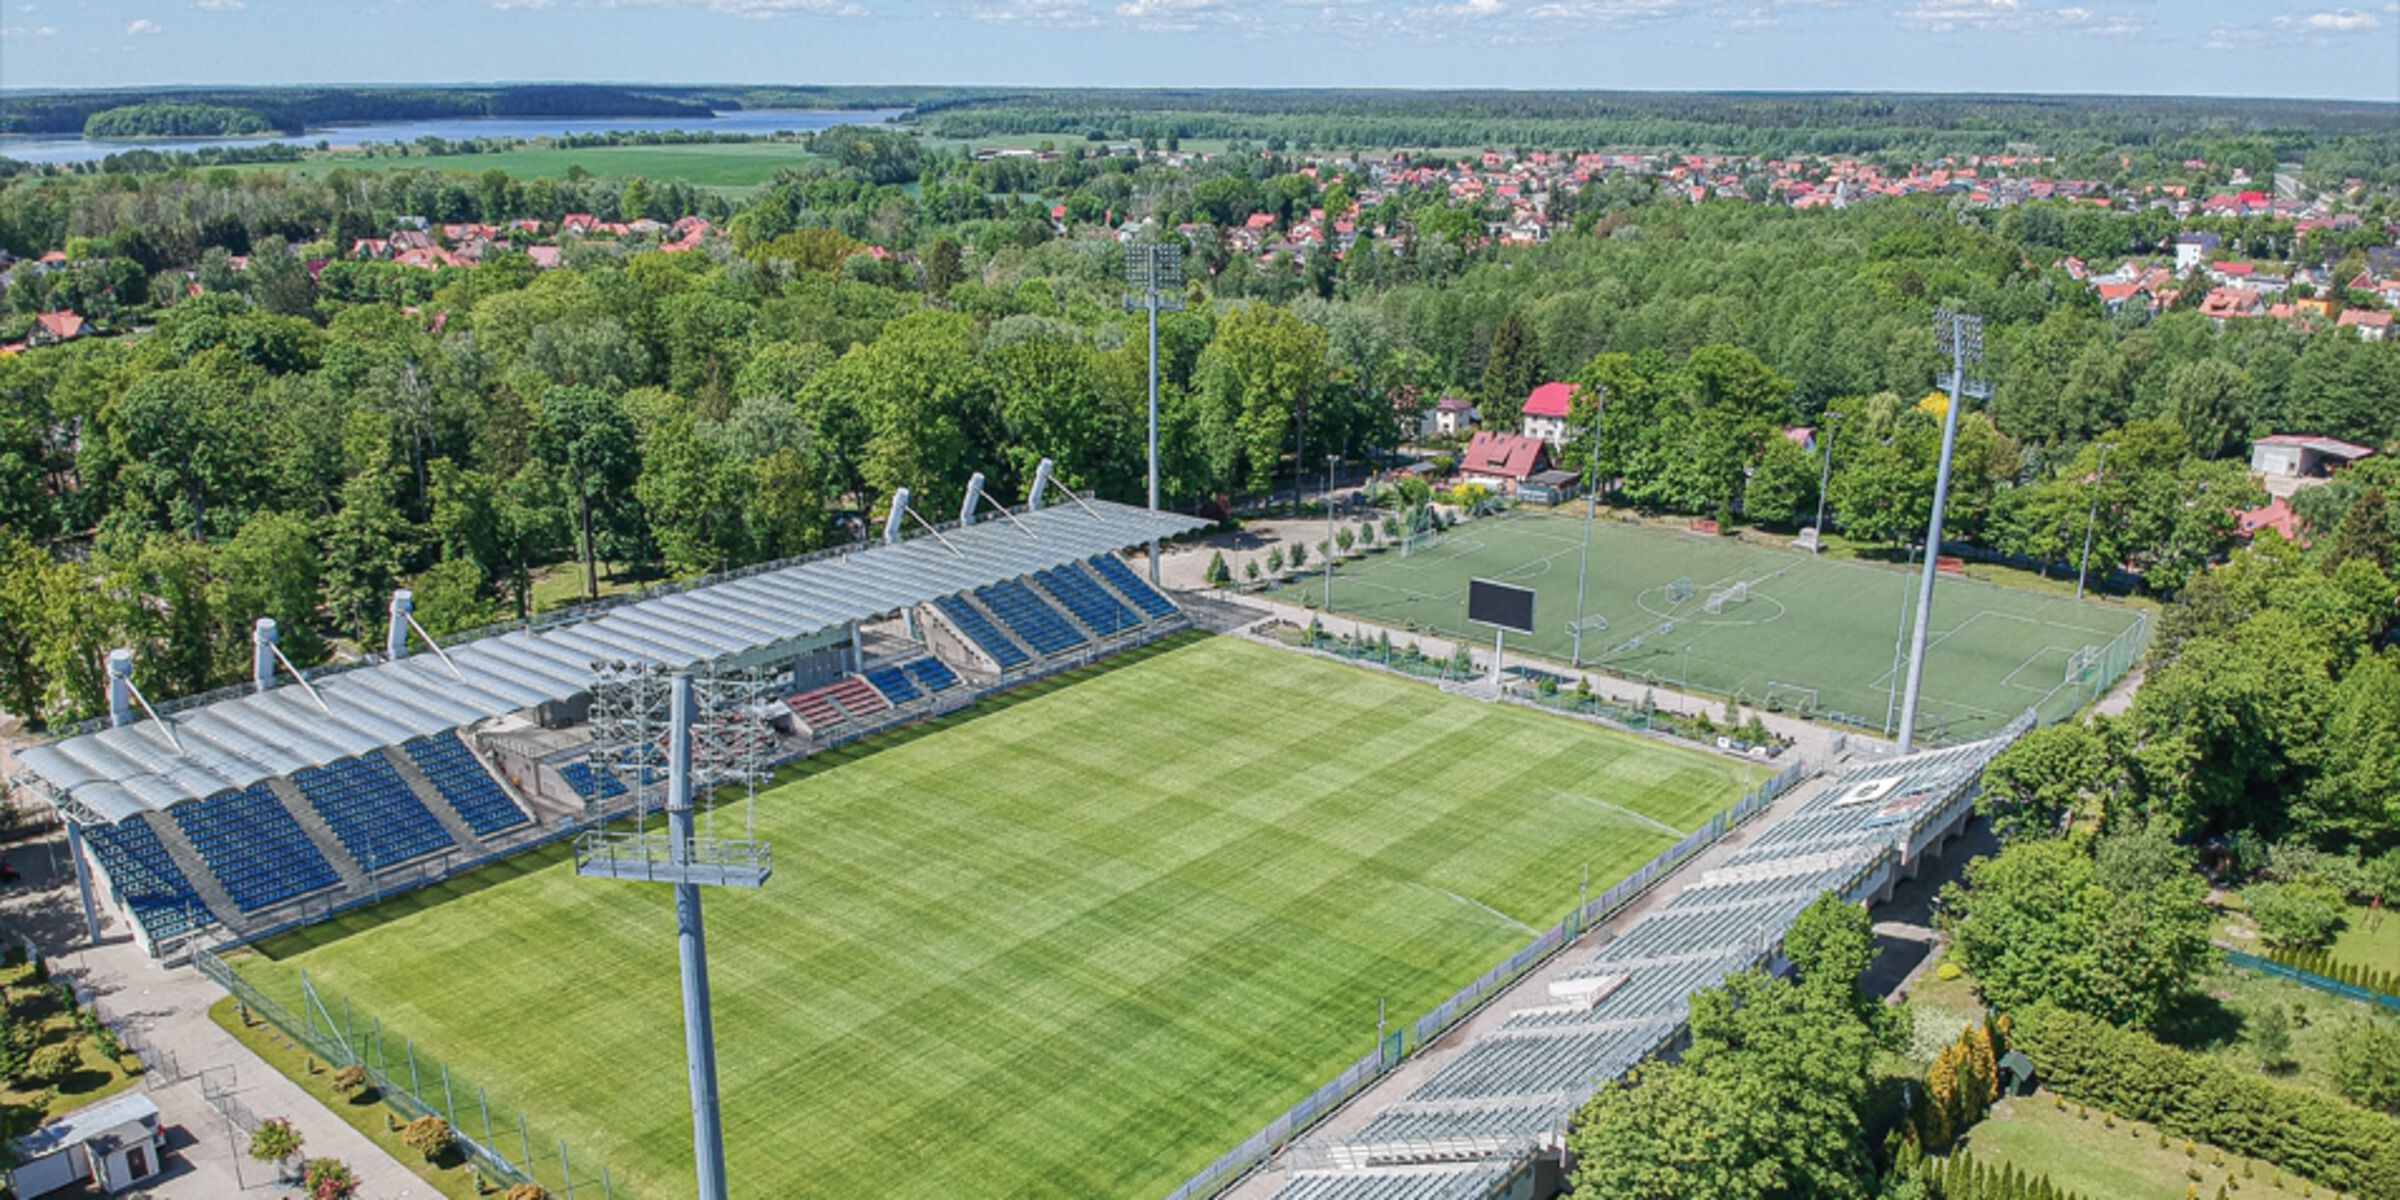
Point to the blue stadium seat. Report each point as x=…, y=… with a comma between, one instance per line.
x=1100, y=612
x=145, y=879
x=1028, y=616
x=254, y=847
x=460, y=778
x=981, y=632
x=1144, y=596
x=371, y=809
x=894, y=684
x=591, y=784
x=935, y=674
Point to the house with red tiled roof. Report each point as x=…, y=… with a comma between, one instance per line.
x=2275, y=514
x=2372, y=326
x=50, y=328
x=1546, y=412
x=1501, y=461
x=2231, y=303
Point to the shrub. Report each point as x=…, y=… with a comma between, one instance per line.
x=53, y=1062
x=329, y=1179
x=350, y=1080
x=2316, y=1136
x=1299, y=555
x=1218, y=573
x=429, y=1136
x=275, y=1140
x=1250, y=570
x=527, y=1191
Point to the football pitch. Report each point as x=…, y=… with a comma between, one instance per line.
x=1787, y=631
x=1077, y=941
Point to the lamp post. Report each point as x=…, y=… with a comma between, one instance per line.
x=1329, y=461
x=1155, y=271
x=2092, y=521
x=1824, y=480
x=1591, y=512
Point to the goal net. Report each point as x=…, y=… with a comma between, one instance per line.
x=1720, y=601
x=1680, y=590
x=2080, y=664
x=1419, y=531
x=1790, y=697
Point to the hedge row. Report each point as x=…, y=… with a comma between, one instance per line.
x=2310, y=1134
x=2318, y=962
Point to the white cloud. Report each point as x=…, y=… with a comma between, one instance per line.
x=1178, y=16
x=755, y=9
x=22, y=31
x=2343, y=20
x=1056, y=14
x=1605, y=12
x=221, y=5
x=520, y=5
x=1950, y=16
x=143, y=28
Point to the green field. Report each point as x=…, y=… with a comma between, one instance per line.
x=1077, y=941
x=2081, y=1151
x=1814, y=635
x=730, y=166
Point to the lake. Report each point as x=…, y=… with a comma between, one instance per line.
x=754, y=121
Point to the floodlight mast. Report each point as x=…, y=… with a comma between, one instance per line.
x=1149, y=267
x=1961, y=337
x=624, y=701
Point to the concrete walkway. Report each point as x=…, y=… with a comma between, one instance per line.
x=168, y=1008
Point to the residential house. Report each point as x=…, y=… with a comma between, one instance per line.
x=51, y=328
x=111, y=1146
x=2287, y=462
x=2193, y=249
x=1546, y=412
x=1453, y=416
x=1502, y=461
x=2372, y=326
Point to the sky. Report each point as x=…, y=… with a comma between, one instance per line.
x=2289, y=48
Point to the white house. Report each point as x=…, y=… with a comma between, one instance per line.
x=1546, y=413
x=1453, y=416
x=114, y=1144
x=2287, y=462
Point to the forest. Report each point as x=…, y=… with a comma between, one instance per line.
x=294, y=443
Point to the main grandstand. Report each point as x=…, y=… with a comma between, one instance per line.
x=299, y=796
x=1492, y=1121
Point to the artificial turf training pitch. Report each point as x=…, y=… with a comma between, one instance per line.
x=1812, y=635
x=1075, y=942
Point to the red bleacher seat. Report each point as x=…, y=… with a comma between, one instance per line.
x=856, y=697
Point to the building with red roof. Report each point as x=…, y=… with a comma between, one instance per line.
x=2275, y=514
x=1501, y=461
x=64, y=325
x=1546, y=412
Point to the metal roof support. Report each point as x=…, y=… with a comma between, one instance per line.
x=892, y=523
x=395, y=638
x=263, y=653
x=120, y=687
x=1041, y=480
x=83, y=880
x=1012, y=518
x=936, y=531
x=297, y=677
x=444, y=655
x=966, y=510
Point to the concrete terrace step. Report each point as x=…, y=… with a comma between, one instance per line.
x=431, y=797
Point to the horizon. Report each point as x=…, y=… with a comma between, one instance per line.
x=2302, y=50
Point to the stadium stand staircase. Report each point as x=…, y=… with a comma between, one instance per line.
x=328, y=845
x=186, y=858
x=431, y=797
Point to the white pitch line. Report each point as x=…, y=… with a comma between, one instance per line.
x=1471, y=902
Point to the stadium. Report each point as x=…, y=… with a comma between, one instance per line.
x=1052, y=911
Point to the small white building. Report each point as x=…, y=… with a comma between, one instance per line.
x=2287, y=462
x=114, y=1144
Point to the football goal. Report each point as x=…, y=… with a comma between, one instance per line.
x=1720, y=601
x=1680, y=590
x=2080, y=664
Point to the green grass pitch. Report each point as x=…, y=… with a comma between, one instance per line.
x=1076, y=942
x=1814, y=631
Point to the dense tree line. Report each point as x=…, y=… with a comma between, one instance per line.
x=161, y=119
x=853, y=334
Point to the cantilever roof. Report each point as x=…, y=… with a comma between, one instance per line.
x=233, y=743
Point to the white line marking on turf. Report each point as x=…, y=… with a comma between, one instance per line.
x=1471, y=902
x=1621, y=810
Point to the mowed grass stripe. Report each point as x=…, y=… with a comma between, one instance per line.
x=1076, y=942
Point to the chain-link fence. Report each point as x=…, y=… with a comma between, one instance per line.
x=498, y=1139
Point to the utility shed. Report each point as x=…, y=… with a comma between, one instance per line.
x=114, y=1144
